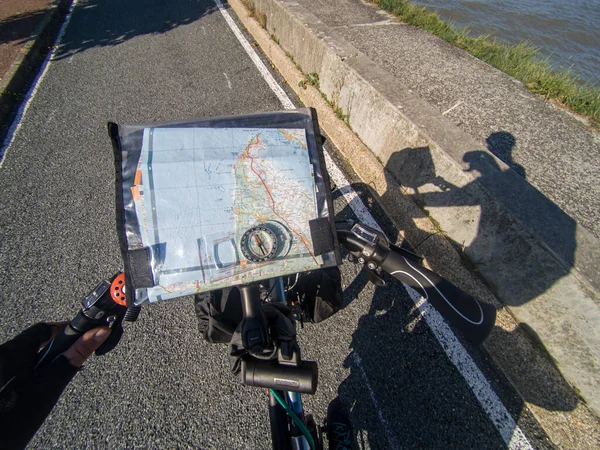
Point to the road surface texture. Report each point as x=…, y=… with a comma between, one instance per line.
x=163, y=386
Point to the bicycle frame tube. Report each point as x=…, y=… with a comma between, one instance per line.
x=280, y=433
x=294, y=398
x=280, y=436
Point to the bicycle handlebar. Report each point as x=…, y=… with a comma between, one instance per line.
x=99, y=308
x=474, y=319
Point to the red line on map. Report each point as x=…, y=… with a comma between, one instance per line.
x=302, y=239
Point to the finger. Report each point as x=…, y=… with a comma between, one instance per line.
x=87, y=344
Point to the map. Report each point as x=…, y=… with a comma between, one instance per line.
x=224, y=206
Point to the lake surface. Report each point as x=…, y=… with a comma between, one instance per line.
x=568, y=32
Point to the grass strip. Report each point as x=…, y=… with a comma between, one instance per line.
x=520, y=61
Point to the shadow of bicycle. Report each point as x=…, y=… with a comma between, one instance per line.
x=403, y=390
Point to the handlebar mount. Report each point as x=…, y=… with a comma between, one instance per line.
x=269, y=363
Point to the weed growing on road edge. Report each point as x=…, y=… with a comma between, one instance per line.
x=289, y=55
x=249, y=4
x=339, y=112
x=519, y=61
x=310, y=79
x=261, y=18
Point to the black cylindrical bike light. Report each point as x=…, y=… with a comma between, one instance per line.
x=270, y=374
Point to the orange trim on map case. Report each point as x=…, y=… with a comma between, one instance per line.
x=136, y=193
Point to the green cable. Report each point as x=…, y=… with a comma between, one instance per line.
x=295, y=418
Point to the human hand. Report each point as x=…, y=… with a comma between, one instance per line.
x=27, y=393
x=87, y=344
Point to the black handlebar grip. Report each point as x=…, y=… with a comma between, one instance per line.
x=73, y=331
x=98, y=309
x=273, y=375
x=474, y=319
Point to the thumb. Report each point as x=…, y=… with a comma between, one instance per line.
x=87, y=344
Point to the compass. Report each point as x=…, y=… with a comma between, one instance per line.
x=259, y=244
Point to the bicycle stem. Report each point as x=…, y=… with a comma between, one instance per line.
x=255, y=333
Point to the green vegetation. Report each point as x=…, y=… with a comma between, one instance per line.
x=339, y=112
x=520, y=61
x=260, y=16
x=311, y=78
x=249, y=4
x=289, y=55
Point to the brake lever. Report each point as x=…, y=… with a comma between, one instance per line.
x=373, y=243
x=374, y=277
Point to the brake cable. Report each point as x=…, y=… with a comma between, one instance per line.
x=295, y=418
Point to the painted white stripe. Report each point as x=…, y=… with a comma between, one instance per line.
x=350, y=195
x=389, y=434
x=279, y=92
x=511, y=434
x=16, y=125
x=491, y=404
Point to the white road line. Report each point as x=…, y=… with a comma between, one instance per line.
x=511, y=434
x=389, y=434
x=492, y=405
x=350, y=195
x=279, y=92
x=16, y=125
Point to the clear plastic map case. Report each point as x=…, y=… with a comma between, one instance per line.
x=209, y=203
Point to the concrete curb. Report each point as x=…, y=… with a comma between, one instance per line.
x=511, y=246
x=25, y=67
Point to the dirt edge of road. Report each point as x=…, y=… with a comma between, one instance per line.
x=15, y=27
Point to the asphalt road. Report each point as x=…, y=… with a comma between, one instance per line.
x=163, y=387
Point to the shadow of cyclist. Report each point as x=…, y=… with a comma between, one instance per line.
x=502, y=144
x=385, y=347
x=520, y=271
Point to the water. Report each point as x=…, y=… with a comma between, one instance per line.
x=568, y=32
